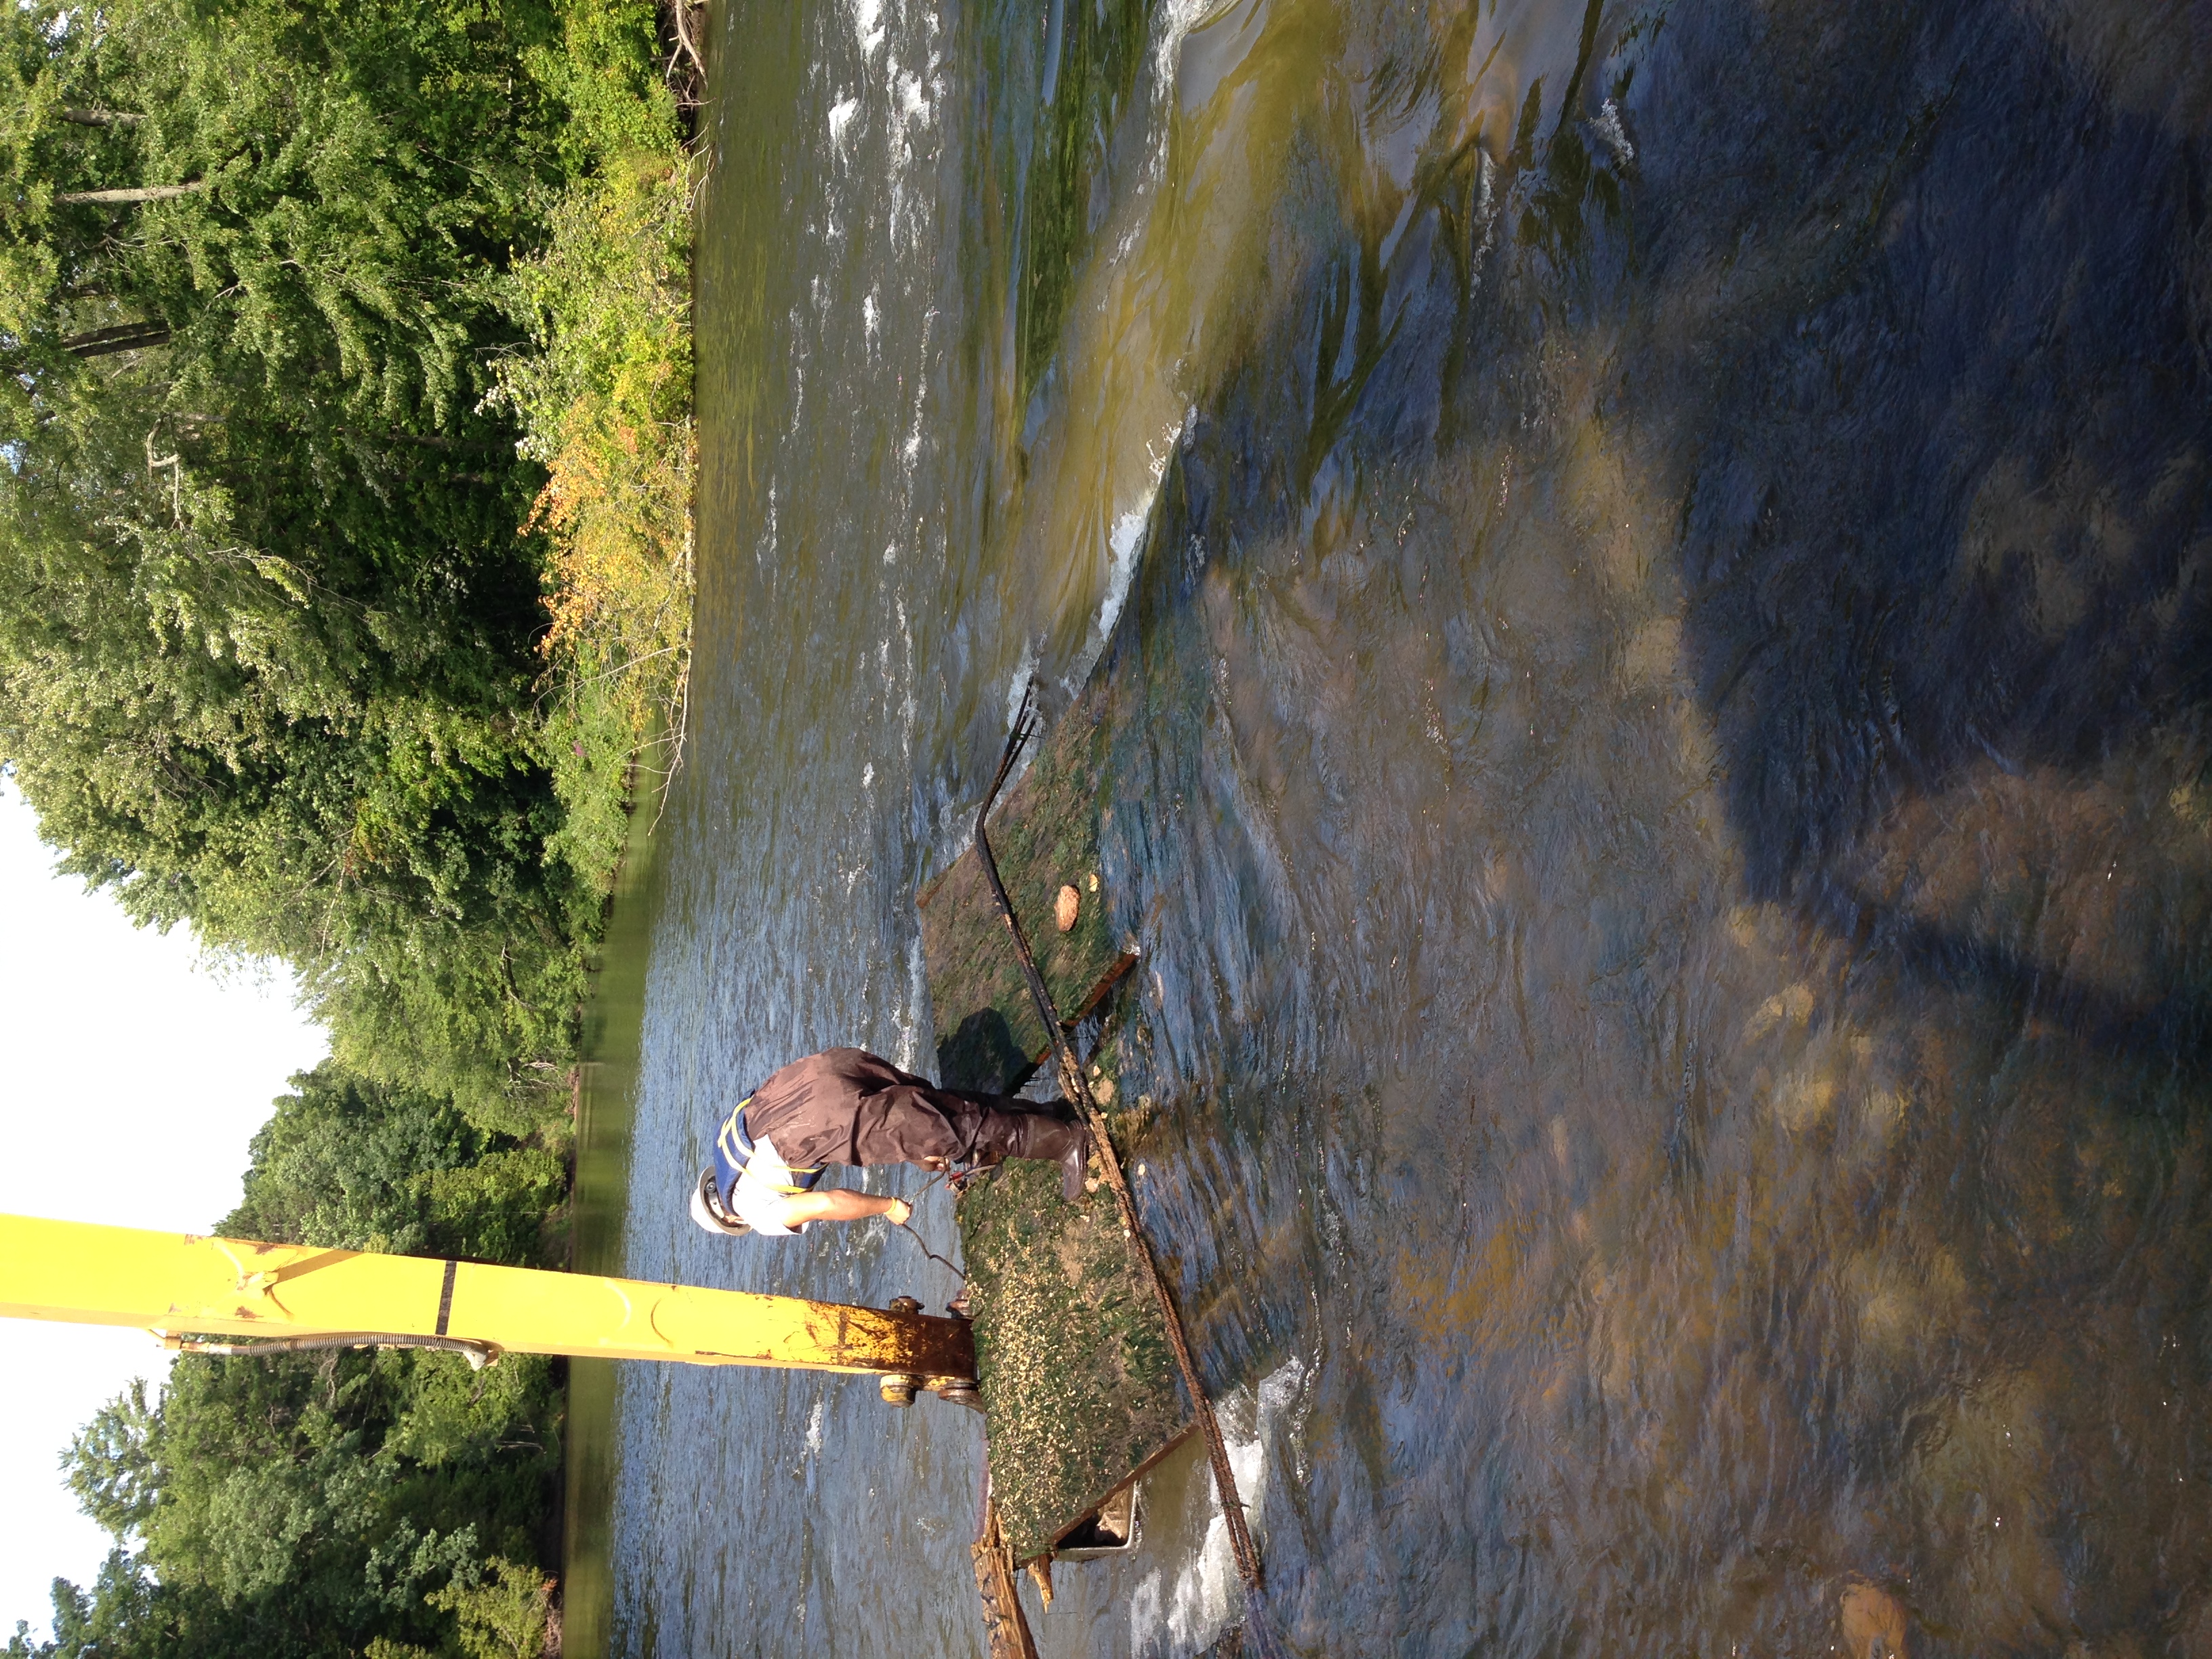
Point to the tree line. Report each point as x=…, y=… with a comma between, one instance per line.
x=390, y=1504
x=275, y=577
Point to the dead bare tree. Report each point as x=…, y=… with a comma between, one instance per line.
x=130, y=197
x=686, y=69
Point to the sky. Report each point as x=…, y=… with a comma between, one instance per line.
x=130, y=1075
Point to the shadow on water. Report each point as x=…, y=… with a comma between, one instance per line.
x=1660, y=749
x=1664, y=754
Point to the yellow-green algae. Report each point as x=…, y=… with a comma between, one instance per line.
x=1071, y=1350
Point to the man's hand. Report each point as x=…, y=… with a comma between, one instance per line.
x=841, y=1204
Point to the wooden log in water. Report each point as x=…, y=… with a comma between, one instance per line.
x=1004, y=1624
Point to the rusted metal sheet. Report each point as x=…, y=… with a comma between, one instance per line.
x=1046, y=834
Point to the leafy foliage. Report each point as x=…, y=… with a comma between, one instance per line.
x=314, y=1503
x=309, y=1504
x=265, y=624
x=349, y=178
x=270, y=641
x=335, y=339
x=356, y=1164
x=610, y=412
x=606, y=405
x=502, y=1617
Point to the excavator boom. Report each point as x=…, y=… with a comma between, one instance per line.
x=178, y=1285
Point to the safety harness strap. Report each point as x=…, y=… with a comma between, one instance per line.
x=736, y=1146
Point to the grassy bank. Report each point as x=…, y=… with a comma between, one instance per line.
x=606, y=402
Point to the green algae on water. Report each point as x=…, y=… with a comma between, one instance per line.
x=1072, y=1352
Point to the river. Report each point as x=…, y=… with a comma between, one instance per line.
x=1661, y=558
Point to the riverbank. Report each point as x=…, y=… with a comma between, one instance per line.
x=605, y=404
x=359, y=660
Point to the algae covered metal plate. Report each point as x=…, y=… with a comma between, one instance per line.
x=1045, y=835
x=1072, y=1361
x=1071, y=1356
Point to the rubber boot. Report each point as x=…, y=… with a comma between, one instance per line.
x=1039, y=1136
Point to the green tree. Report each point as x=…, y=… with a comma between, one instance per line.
x=309, y=1504
x=112, y=1465
x=351, y=1163
x=310, y=196
x=504, y=1617
x=268, y=668
x=124, y=1616
x=265, y=622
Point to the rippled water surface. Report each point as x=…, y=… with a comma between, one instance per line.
x=1655, y=567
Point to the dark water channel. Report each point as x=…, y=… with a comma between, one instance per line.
x=1658, y=569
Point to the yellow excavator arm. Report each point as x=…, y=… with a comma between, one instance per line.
x=181, y=1286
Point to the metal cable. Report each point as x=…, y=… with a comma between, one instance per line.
x=478, y=1354
x=906, y=1226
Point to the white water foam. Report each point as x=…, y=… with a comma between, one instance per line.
x=841, y=117
x=1126, y=540
x=1121, y=545
x=867, y=24
x=1177, y=19
x=1017, y=687
x=1206, y=1596
x=917, y=1032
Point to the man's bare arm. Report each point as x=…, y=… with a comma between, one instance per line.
x=840, y=1204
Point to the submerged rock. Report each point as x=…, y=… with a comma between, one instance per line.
x=1875, y=1626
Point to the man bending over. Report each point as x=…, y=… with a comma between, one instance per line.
x=849, y=1106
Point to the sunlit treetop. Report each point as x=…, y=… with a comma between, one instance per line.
x=305, y=199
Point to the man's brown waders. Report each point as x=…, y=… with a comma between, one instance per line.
x=849, y=1106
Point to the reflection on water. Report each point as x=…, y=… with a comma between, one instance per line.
x=613, y=1017
x=1661, y=756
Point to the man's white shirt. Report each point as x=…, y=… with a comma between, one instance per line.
x=757, y=1198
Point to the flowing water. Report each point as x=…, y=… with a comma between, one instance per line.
x=1657, y=568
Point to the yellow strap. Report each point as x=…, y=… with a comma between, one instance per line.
x=733, y=1149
